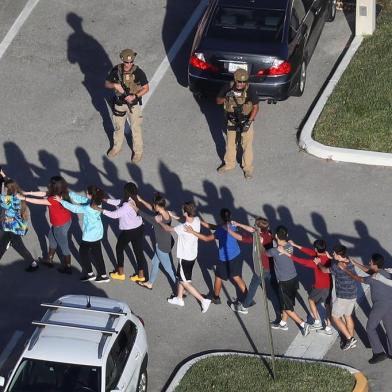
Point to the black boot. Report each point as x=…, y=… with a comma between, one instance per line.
x=66, y=267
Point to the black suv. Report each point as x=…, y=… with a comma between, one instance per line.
x=272, y=39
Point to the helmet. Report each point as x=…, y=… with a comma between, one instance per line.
x=241, y=75
x=127, y=55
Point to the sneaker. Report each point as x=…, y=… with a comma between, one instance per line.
x=136, y=278
x=377, y=358
x=117, y=276
x=88, y=278
x=239, y=308
x=215, y=300
x=102, y=279
x=325, y=331
x=176, y=301
x=305, y=329
x=205, y=304
x=65, y=270
x=32, y=267
x=351, y=343
x=316, y=325
x=284, y=327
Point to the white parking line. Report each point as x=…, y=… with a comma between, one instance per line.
x=161, y=70
x=10, y=347
x=13, y=31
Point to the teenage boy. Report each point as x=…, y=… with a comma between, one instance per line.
x=186, y=255
x=322, y=285
x=346, y=295
x=382, y=302
x=286, y=275
x=229, y=265
x=266, y=239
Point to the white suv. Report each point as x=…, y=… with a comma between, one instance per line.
x=83, y=344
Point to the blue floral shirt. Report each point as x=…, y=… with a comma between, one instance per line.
x=12, y=219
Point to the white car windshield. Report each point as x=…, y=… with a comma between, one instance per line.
x=43, y=376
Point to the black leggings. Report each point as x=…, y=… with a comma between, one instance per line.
x=17, y=243
x=96, y=251
x=135, y=237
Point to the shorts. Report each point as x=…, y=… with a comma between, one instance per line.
x=320, y=295
x=184, y=270
x=228, y=269
x=343, y=307
x=287, y=293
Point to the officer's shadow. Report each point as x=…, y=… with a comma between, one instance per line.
x=94, y=63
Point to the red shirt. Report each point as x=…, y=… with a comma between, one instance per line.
x=267, y=243
x=322, y=280
x=58, y=215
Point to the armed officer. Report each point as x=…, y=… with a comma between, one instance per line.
x=241, y=106
x=129, y=83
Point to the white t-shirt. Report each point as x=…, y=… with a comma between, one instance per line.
x=187, y=242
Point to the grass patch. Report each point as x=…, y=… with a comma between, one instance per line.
x=242, y=374
x=358, y=113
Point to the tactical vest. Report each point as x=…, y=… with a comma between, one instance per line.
x=230, y=102
x=128, y=78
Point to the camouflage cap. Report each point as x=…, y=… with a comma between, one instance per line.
x=241, y=75
x=127, y=55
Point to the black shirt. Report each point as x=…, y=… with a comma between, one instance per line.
x=250, y=94
x=140, y=76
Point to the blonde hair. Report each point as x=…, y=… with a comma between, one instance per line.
x=13, y=189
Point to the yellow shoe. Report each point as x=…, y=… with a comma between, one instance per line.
x=136, y=278
x=117, y=276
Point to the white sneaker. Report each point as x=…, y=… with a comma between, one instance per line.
x=205, y=304
x=326, y=331
x=238, y=307
x=176, y=301
x=316, y=325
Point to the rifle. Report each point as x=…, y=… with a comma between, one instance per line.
x=241, y=122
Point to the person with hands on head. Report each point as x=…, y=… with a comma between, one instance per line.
x=266, y=242
x=187, y=248
x=164, y=240
x=346, y=295
x=92, y=231
x=381, y=295
x=322, y=284
x=14, y=224
x=60, y=219
x=229, y=265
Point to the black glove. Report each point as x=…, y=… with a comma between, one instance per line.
x=230, y=94
x=246, y=126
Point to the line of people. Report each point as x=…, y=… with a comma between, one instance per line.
x=277, y=256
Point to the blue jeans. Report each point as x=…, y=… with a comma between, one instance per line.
x=164, y=259
x=58, y=237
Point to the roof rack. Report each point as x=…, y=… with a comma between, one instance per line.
x=84, y=308
x=107, y=331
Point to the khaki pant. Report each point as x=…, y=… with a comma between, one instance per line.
x=247, y=149
x=135, y=119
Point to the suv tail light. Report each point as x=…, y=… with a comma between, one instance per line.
x=141, y=320
x=198, y=61
x=279, y=67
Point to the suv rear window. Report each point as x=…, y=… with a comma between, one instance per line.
x=245, y=24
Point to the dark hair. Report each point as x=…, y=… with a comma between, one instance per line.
x=58, y=187
x=225, y=215
x=97, y=194
x=340, y=250
x=282, y=233
x=262, y=223
x=320, y=246
x=378, y=260
x=159, y=200
x=13, y=188
x=130, y=192
x=189, y=208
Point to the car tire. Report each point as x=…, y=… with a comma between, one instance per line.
x=142, y=382
x=331, y=11
x=300, y=87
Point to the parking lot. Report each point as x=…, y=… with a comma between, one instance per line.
x=53, y=119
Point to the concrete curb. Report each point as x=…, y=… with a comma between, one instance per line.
x=361, y=384
x=307, y=143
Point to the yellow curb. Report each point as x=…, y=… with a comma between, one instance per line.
x=361, y=384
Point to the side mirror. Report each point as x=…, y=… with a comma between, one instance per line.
x=2, y=381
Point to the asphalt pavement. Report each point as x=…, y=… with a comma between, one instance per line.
x=54, y=119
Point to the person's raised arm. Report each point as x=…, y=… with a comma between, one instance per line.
x=207, y=225
x=200, y=236
x=242, y=226
x=164, y=226
x=362, y=267
x=145, y=203
x=32, y=200
x=351, y=274
x=35, y=193
x=321, y=267
x=235, y=235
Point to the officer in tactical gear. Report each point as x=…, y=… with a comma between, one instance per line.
x=241, y=105
x=129, y=83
